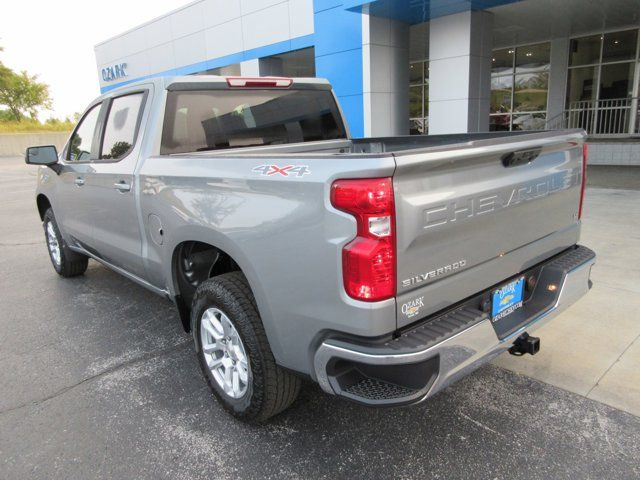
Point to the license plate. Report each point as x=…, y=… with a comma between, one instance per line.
x=507, y=299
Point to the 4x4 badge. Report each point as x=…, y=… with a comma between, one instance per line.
x=286, y=171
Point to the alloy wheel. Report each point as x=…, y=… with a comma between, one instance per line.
x=224, y=353
x=53, y=244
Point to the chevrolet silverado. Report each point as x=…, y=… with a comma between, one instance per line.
x=382, y=268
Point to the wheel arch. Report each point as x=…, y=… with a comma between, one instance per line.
x=224, y=257
x=43, y=204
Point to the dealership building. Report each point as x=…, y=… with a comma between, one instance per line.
x=417, y=66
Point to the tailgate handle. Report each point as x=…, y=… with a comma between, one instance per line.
x=521, y=157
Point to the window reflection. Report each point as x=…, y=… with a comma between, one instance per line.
x=502, y=61
x=82, y=141
x=501, y=90
x=533, y=58
x=120, y=130
x=519, y=83
x=419, y=97
x=530, y=92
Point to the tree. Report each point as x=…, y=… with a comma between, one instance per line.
x=22, y=94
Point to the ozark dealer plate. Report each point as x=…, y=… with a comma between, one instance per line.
x=507, y=299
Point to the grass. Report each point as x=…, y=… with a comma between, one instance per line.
x=34, y=126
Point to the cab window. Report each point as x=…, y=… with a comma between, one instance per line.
x=82, y=140
x=121, y=125
x=200, y=120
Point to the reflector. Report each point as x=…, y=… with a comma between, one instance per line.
x=585, y=153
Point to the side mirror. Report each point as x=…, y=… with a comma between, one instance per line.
x=46, y=155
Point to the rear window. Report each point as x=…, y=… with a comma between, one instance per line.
x=220, y=119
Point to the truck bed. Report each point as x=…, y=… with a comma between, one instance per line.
x=466, y=218
x=400, y=145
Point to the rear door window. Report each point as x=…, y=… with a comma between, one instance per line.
x=221, y=119
x=121, y=126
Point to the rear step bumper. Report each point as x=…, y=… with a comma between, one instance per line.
x=446, y=347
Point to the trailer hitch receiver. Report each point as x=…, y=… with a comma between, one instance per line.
x=525, y=343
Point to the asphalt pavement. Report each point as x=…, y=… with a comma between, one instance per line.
x=98, y=380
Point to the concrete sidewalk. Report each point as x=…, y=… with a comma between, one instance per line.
x=593, y=348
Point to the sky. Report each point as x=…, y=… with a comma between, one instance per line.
x=55, y=38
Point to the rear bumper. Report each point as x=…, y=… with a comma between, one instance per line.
x=429, y=357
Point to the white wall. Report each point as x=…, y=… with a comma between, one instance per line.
x=204, y=30
x=557, y=81
x=614, y=153
x=385, y=76
x=460, y=48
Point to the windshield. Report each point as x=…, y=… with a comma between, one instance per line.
x=219, y=119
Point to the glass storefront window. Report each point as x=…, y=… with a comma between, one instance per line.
x=581, y=84
x=502, y=61
x=612, y=75
x=600, y=96
x=415, y=101
x=619, y=46
x=299, y=63
x=616, y=81
x=419, y=97
x=418, y=126
x=519, y=83
x=585, y=50
x=500, y=123
x=416, y=73
x=530, y=121
x=501, y=89
x=530, y=92
x=533, y=58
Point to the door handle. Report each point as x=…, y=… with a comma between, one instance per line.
x=122, y=186
x=79, y=181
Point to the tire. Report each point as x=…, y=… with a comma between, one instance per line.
x=269, y=388
x=65, y=261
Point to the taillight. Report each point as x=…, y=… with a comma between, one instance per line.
x=369, y=260
x=585, y=151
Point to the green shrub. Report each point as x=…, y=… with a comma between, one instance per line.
x=27, y=125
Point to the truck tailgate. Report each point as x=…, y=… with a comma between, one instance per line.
x=468, y=216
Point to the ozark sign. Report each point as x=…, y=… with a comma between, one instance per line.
x=114, y=72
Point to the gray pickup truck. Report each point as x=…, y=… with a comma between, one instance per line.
x=384, y=269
